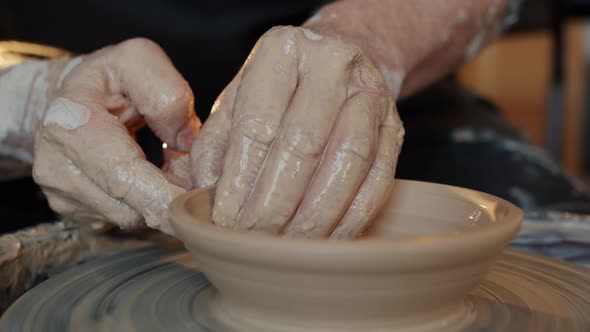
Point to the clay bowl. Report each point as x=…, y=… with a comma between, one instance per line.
x=413, y=270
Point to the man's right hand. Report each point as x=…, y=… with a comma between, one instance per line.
x=304, y=141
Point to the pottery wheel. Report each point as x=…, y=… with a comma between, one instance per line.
x=159, y=289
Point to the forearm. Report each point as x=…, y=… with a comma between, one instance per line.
x=24, y=92
x=414, y=43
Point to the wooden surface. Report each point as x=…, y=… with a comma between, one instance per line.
x=573, y=131
x=514, y=73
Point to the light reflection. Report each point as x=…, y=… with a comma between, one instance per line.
x=474, y=217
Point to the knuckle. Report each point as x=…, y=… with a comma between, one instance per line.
x=139, y=44
x=58, y=205
x=400, y=134
x=42, y=176
x=394, y=130
x=39, y=172
x=344, y=53
x=180, y=98
x=255, y=129
x=50, y=133
x=119, y=179
x=287, y=36
x=281, y=32
x=305, y=143
x=383, y=167
x=392, y=124
x=386, y=160
x=282, y=70
x=175, y=105
x=45, y=174
x=367, y=77
x=358, y=147
x=125, y=218
x=206, y=166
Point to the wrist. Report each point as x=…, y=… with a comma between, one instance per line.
x=420, y=40
x=25, y=92
x=341, y=20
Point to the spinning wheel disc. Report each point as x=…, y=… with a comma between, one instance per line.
x=159, y=289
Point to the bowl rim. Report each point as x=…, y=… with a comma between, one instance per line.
x=207, y=238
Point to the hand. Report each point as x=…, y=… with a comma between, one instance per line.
x=86, y=160
x=304, y=141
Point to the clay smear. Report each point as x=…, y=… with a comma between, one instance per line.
x=66, y=114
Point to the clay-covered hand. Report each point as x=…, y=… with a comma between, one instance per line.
x=303, y=142
x=86, y=160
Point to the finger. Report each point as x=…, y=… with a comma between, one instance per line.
x=96, y=199
x=376, y=188
x=140, y=72
x=345, y=165
x=70, y=208
x=209, y=148
x=61, y=178
x=299, y=146
x=176, y=167
x=170, y=154
x=265, y=91
x=178, y=172
x=161, y=94
x=103, y=150
x=120, y=106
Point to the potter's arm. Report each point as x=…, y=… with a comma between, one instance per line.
x=24, y=90
x=414, y=43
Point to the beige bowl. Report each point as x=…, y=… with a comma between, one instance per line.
x=429, y=247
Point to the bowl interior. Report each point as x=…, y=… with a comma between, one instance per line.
x=415, y=210
x=419, y=210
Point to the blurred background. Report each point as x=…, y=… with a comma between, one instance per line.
x=536, y=75
x=511, y=122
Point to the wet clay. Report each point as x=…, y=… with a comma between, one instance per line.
x=66, y=114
